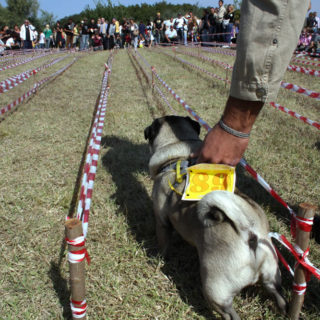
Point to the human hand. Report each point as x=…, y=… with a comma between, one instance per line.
x=221, y=147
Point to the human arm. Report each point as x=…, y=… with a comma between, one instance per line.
x=269, y=34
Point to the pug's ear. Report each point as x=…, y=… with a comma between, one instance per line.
x=152, y=131
x=147, y=133
x=195, y=125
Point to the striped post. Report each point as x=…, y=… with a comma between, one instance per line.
x=305, y=212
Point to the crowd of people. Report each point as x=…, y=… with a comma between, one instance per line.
x=216, y=25
x=309, y=39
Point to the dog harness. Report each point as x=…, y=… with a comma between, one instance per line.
x=180, y=167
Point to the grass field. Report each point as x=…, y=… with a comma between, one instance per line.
x=41, y=147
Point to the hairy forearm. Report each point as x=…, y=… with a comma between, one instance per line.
x=240, y=115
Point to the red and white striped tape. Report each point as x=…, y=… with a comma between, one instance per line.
x=298, y=89
x=180, y=101
x=92, y=156
x=155, y=86
x=308, y=53
x=290, y=86
x=243, y=162
x=217, y=62
x=275, y=105
x=224, y=52
x=198, y=68
x=299, y=289
x=310, y=72
x=295, y=115
x=27, y=94
x=12, y=82
x=306, y=62
x=79, y=311
x=23, y=62
x=300, y=255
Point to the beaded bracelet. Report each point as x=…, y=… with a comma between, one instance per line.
x=235, y=133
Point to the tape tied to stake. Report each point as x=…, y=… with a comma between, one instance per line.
x=304, y=224
x=77, y=242
x=77, y=256
x=299, y=255
x=299, y=289
x=78, y=312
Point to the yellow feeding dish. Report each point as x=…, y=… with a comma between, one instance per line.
x=205, y=177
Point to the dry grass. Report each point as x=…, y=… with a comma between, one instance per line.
x=41, y=147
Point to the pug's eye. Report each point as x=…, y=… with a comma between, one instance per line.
x=216, y=214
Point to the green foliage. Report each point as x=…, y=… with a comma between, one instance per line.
x=237, y=4
x=139, y=12
x=19, y=10
x=46, y=18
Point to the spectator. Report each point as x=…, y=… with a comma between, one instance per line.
x=142, y=31
x=11, y=43
x=149, y=34
x=228, y=21
x=317, y=21
x=92, y=29
x=193, y=29
x=205, y=27
x=111, y=33
x=158, y=26
x=219, y=20
x=117, y=34
x=97, y=42
x=68, y=29
x=2, y=47
x=48, y=36
x=5, y=34
x=75, y=36
x=59, y=35
x=84, y=38
x=103, y=33
x=168, y=23
x=304, y=40
x=16, y=35
x=212, y=21
x=42, y=40
x=134, y=30
x=171, y=35
x=311, y=21
x=179, y=26
x=27, y=34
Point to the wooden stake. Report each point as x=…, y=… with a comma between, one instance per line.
x=73, y=230
x=153, y=83
x=302, y=240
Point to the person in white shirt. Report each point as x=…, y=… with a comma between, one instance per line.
x=27, y=34
x=179, y=25
x=171, y=35
x=219, y=20
x=168, y=23
x=2, y=47
x=42, y=40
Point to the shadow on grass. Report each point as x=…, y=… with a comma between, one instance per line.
x=60, y=284
x=125, y=161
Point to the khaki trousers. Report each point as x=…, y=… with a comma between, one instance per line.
x=269, y=33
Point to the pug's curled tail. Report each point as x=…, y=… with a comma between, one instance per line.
x=223, y=206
